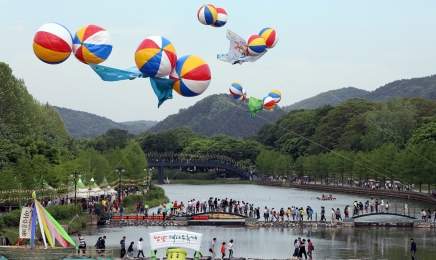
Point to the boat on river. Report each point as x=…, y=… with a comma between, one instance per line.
x=325, y=198
x=50, y=231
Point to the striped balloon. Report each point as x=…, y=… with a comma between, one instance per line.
x=52, y=43
x=236, y=89
x=207, y=14
x=191, y=76
x=270, y=36
x=156, y=57
x=276, y=95
x=221, y=19
x=268, y=103
x=241, y=97
x=92, y=44
x=255, y=45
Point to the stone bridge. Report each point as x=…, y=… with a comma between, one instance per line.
x=161, y=163
x=383, y=214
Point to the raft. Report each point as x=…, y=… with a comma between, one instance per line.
x=325, y=198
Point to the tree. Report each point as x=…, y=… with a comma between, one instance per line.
x=395, y=122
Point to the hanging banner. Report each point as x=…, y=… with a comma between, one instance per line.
x=175, y=238
x=25, y=222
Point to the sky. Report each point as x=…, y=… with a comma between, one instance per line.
x=323, y=45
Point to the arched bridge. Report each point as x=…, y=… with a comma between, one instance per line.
x=161, y=162
x=383, y=214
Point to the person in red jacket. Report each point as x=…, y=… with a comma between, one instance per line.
x=309, y=249
x=223, y=249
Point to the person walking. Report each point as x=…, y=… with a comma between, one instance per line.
x=130, y=249
x=82, y=245
x=230, y=246
x=223, y=250
x=387, y=207
x=140, y=248
x=323, y=213
x=212, y=248
x=121, y=212
x=413, y=249
x=309, y=249
x=103, y=245
x=123, y=247
x=406, y=209
x=303, y=249
x=296, y=250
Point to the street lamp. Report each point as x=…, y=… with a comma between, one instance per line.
x=120, y=172
x=74, y=174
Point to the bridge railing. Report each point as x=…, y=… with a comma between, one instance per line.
x=396, y=209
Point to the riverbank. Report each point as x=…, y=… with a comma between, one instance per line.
x=408, y=195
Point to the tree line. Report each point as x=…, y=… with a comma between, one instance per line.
x=36, y=148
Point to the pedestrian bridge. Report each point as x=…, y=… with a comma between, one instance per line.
x=161, y=161
x=383, y=214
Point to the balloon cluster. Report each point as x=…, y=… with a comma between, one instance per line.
x=156, y=57
x=237, y=91
x=53, y=44
x=258, y=43
x=212, y=15
x=270, y=101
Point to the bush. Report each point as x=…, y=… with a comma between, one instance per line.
x=2, y=224
x=12, y=219
x=58, y=212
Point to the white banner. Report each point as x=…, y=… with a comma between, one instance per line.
x=175, y=238
x=26, y=222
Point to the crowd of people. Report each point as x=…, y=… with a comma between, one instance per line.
x=223, y=249
x=300, y=249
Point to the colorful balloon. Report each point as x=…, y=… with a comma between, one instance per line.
x=52, y=43
x=276, y=95
x=221, y=19
x=155, y=57
x=191, y=76
x=268, y=103
x=255, y=45
x=92, y=44
x=236, y=89
x=241, y=97
x=207, y=14
x=270, y=36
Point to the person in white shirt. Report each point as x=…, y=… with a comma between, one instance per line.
x=212, y=248
x=140, y=248
x=382, y=205
x=230, y=247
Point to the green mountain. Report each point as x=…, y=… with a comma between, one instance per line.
x=219, y=114
x=417, y=87
x=332, y=97
x=408, y=88
x=86, y=125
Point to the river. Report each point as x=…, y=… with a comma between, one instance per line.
x=269, y=243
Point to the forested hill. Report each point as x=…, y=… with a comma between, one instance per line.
x=217, y=114
x=407, y=88
x=417, y=87
x=86, y=125
x=328, y=98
